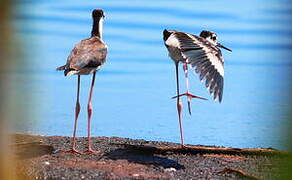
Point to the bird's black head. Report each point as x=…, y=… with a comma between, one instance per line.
x=209, y=35
x=97, y=13
x=212, y=38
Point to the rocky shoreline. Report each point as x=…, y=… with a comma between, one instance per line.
x=39, y=157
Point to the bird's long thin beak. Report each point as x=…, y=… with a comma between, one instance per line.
x=220, y=45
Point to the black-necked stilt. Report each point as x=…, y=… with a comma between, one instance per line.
x=203, y=54
x=87, y=57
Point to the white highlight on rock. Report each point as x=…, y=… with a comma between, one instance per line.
x=171, y=169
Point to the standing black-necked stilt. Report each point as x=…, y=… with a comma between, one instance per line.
x=87, y=57
x=202, y=53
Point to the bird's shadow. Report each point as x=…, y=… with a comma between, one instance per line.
x=136, y=154
x=31, y=150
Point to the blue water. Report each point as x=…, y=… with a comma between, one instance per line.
x=133, y=90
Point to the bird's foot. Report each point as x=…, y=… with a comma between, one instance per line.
x=189, y=95
x=72, y=150
x=182, y=146
x=91, y=151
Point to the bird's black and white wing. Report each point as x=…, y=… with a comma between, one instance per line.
x=206, y=58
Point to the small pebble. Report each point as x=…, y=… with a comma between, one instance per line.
x=170, y=169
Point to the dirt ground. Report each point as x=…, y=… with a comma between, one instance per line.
x=41, y=157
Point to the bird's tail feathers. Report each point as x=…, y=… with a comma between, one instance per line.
x=61, y=68
x=69, y=72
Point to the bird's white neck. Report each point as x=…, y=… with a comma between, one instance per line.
x=97, y=27
x=100, y=27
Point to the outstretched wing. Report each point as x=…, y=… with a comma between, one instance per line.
x=206, y=59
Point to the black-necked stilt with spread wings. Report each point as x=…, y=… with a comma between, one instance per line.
x=87, y=57
x=202, y=53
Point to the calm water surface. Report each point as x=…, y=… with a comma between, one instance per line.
x=133, y=90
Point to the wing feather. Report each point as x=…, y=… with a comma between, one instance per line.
x=89, y=53
x=206, y=59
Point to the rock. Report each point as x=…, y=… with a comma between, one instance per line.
x=123, y=158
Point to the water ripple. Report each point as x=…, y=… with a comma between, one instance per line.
x=157, y=10
x=124, y=38
x=152, y=26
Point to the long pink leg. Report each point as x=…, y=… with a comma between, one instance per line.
x=89, y=111
x=185, y=67
x=188, y=94
x=179, y=105
x=77, y=110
